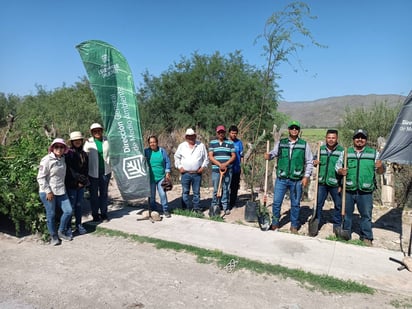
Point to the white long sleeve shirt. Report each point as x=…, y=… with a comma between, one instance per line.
x=52, y=171
x=191, y=159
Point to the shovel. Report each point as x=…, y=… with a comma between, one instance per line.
x=339, y=231
x=314, y=220
x=263, y=215
x=215, y=210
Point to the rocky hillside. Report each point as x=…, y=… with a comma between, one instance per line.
x=329, y=112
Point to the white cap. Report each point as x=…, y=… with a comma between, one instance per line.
x=190, y=131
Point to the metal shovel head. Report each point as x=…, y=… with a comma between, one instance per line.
x=214, y=211
x=341, y=233
x=264, y=221
x=313, y=227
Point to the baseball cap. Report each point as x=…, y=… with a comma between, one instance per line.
x=360, y=132
x=220, y=128
x=190, y=131
x=294, y=123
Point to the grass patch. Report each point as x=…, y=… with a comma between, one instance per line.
x=356, y=242
x=319, y=282
x=187, y=213
x=192, y=214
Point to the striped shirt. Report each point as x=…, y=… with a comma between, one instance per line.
x=222, y=152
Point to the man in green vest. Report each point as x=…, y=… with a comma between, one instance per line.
x=294, y=167
x=360, y=183
x=329, y=181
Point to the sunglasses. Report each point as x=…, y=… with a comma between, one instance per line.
x=360, y=137
x=221, y=132
x=294, y=128
x=59, y=147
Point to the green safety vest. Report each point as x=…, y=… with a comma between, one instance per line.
x=361, y=171
x=327, y=172
x=293, y=167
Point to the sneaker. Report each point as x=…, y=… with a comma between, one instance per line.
x=81, y=229
x=55, y=241
x=167, y=214
x=293, y=230
x=105, y=218
x=227, y=212
x=63, y=236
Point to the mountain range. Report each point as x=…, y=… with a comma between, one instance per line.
x=329, y=112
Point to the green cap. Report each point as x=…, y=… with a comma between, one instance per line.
x=294, y=123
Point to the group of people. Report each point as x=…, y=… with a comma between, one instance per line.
x=357, y=169
x=63, y=175
x=191, y=159
x=66, y=171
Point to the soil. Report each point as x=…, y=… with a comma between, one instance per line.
x=109, y=272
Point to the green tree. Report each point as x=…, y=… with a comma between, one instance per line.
x=202, y=92
x=19, y=198
x=377, y=120
x=65, y=109
x=284, y=36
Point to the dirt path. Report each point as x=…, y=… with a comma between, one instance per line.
x=103, y=272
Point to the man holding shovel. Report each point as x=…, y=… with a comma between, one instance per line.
x=360, y=183
x=221, y=155
x=294, y=167
x=329, y=180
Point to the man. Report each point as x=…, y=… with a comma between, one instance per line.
x=191, y=158
x=236, y=169
x=360, y=183
x=328, y=180
x=294, y=167
x=222, y=155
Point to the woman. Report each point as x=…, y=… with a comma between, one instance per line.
x=159, y=165
x=100, y=172
x=77, y=177
x=52, y=191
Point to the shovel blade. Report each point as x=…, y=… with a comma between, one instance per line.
x=341, y=233
x=313, y=227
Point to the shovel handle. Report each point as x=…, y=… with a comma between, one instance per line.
x=219, y=188
x=345, y=159
x=266, y=174
x=315, y=202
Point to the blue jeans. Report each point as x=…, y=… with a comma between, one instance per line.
x=194, y=180
x=364, y=203
x=295, y=190
x=323, y=191
x=99, y=197
x=162, y=195
x=76, y=199
x=225, y=188
x=64, y=203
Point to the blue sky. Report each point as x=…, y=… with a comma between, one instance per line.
x=369, y=41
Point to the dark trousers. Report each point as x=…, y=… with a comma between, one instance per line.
x=234, y=188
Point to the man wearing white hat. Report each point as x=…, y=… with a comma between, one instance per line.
x=191, y=158
x=97, y=148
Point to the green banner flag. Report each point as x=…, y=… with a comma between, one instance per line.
x=112, y=83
